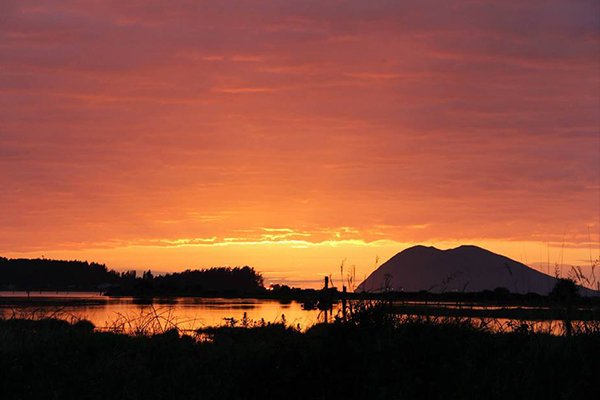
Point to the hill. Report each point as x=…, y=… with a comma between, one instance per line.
x=465, y=268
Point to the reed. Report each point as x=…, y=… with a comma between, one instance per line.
x=372, y=354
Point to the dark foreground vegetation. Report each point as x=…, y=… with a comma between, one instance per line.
x=372, y=355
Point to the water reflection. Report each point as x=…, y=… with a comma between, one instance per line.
x=187, y=313
x=129, y=314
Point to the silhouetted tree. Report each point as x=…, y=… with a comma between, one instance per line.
x=44, y=274
x=501, y=293
x=147, y=275
x=243, y=279
x=565, y=290
x=280, y=288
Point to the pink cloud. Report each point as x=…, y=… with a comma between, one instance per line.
x=471, y=119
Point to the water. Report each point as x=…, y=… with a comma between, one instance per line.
x=127, y=313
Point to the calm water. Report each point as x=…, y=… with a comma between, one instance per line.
x=188, y=313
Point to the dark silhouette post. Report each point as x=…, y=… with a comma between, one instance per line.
x=567, y=323
x=325, y=294
x=565, y=291
x=344, y=302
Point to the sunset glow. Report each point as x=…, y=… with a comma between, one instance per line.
x=292, y=135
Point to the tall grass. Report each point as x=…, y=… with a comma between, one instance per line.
x=373, y=354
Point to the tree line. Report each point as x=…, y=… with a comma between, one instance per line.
x=45, y=274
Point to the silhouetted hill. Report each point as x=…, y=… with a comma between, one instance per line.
x=465, y=268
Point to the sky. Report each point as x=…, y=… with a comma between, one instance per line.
x=292, y=135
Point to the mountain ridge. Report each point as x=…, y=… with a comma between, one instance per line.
x=466, y=268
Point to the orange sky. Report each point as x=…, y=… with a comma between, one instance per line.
x=289, y=135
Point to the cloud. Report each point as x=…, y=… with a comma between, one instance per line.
x=123, y=122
